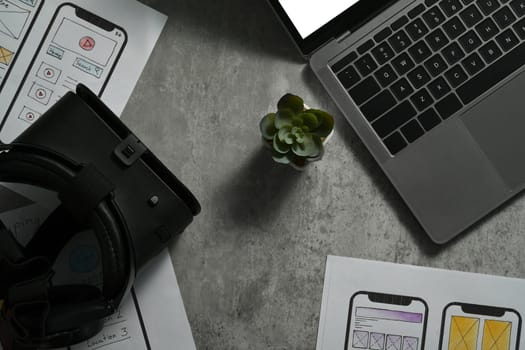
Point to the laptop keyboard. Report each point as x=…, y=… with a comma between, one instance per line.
x=431, y=62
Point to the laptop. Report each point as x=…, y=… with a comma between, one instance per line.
x=434, y=88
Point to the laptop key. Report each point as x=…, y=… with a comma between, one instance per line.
x=490, y=52
x=488, y=6
x=377, y=106
x=383, y=34
x=422, y=100
x=418, y=77
x=402, y=89
x=487, y=29
x=466, y=2
x=345, y=61
x=519, y=7
x=393, y=119
x=471, y=15
x=348, y=77
x=412, y=131
x=429, y=119
x=364, y=90
x=448, y=106
x=398, y=23
x=507, y=40
x=416, y=11
x=450, y=7
x=430, y=2
x=436, y=65
x=520, y=28
x=416, y=29
x=399, y=41
x=419, y=51
x=504, y=17
x=385, y=75
x=403, y=63
x=437, y=39
x=470, y=41
x=383, y=53
x=456, y=76
x=365, y=65
x=365, y=46
x=473, y=63
x=453, y=53
x=434, y=17
x=439, y=88
x=395, y=143
x=454, y=28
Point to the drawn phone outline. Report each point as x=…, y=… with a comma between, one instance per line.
x=86, y=16
x=20, y=47
x=375, y=294
x=480, y=310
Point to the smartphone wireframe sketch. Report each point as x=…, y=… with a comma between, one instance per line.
x=78, y=47
x=16, y=20
x=380, y=321
x=479, y=327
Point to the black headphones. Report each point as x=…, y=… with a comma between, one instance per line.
x=107, y=180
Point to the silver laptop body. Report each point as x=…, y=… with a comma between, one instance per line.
x=454, y=170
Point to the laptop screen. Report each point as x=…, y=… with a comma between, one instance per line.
x=309, y=16
x=312, y=23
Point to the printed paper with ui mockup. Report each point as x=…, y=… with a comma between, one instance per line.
x=385, y=306
x=48, y=47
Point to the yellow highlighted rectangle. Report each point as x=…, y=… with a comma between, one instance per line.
x=463, y=333
x=496, y=335
x=6, y=56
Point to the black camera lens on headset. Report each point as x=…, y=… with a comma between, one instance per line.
x=107, y=181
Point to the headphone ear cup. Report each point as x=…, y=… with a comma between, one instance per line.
x=73, y=307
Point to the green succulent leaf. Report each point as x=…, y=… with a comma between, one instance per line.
x=326, y=122
x=312, y=147
x=296, y=130
x=297, y=121
x=291, y=102
x=267, y=126
x=284, y=118
x=310, y=120
x=282, y=158
x=279, y=146
x=283, y=134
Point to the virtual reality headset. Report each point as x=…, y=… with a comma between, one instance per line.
x=108, y=181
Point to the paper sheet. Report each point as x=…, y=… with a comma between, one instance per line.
x=47, y=47
x=385, y=306
x=150, y=318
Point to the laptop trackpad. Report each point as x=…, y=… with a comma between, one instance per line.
x=498, y=125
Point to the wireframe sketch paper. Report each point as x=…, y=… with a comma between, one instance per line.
x=153, y=314
x=47, y=47
x=384, y=306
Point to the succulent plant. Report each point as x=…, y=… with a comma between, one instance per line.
x=295, y=133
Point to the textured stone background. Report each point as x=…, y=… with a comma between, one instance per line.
x=251, y=266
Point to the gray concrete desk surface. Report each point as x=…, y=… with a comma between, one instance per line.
x=251, y=267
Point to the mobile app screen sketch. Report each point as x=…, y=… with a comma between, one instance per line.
x=386, y=322
x=474, y=327
x=16, y=19
x=78, y=48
